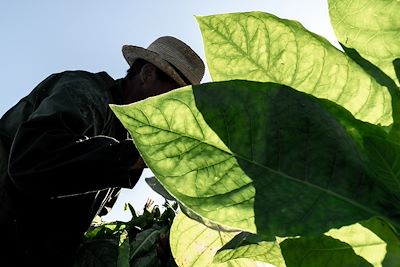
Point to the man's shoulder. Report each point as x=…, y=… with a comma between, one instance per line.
x=76, y=81
x=84, y=75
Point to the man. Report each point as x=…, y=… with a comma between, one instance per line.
x=63, y=153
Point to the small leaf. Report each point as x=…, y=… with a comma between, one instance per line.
x=143, y=242
x=132, y=210
x=249, y=246
x=194, y=245
x=105, y=230
x=123, y=251
x=157, y=187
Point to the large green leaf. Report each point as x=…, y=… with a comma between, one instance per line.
x=259, y=157
x=262, y=47
x=370, y=27
x=194, y=245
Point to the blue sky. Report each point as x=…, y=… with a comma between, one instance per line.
x=40, y=37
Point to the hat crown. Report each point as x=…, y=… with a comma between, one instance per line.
x=181, y=56
x=170, y=54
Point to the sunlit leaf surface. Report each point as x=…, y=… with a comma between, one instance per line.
x=262, y=47
x=249, y=246
x=194, y=245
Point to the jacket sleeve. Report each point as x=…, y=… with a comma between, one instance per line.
x=53, y=153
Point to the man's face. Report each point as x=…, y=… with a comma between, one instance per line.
x=159, y=87
x=146, y=84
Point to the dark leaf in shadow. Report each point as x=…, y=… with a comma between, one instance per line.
x=157, y=187
x=306, y=169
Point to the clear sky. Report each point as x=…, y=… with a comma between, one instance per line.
x=41, y=37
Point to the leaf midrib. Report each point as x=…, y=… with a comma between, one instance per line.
x=155, y=232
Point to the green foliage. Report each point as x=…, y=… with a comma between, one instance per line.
x=299, y=152
x=252, y=247
x=193, y=244
x=262, y=47
x=240, y=148
x=141, y=242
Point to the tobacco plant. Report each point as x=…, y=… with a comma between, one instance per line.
x=141, y=242
x=291, y=156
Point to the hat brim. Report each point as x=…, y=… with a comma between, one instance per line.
x=131, y=53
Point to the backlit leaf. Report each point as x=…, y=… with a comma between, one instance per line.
x=258, y=157
x=249, y=246
x=194, y=245
x=262, y=47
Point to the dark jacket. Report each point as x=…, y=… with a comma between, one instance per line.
x=63, y=154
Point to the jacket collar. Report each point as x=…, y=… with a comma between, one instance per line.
x=117, y=90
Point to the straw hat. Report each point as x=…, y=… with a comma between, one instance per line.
x=170, y=55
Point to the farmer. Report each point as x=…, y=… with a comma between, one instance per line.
x=64, y=155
